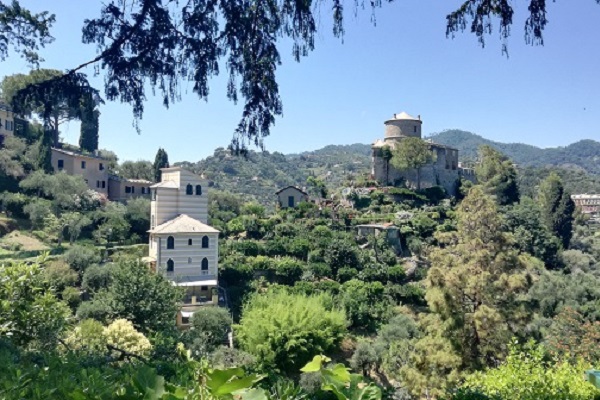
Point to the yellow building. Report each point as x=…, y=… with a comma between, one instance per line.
x=91, y=168
x=121, y=189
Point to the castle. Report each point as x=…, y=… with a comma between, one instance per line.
x=444, y=170
x=182, y=246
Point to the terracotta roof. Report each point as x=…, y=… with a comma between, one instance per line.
x=183, y=224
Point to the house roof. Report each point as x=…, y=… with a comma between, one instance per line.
x=77, y=154
x=183, y=224
x=166, y=184
x=121, y=179
x=292, y=187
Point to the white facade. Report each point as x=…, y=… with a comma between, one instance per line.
x=182, y=246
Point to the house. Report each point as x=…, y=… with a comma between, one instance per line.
x=587, y=203
x=121, y=189
x=444, y=170
x=291, y=196
x=183, y=247
x=7, y=122
x=91, y=167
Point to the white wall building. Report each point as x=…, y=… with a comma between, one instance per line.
x=182, y=246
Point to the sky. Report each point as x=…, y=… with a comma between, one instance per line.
x=343, y=91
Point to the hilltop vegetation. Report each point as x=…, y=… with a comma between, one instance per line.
x=584, y=154
x=259, y=175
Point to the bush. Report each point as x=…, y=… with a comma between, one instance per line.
x=60, y=275
x=434, y=194
x=284, y=331
x=288, y=270
x=97, y=277
x=71, y=296
x=208, y=331
x=81, y=257
x=526, y=375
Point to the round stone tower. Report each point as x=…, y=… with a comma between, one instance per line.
x=402, y=125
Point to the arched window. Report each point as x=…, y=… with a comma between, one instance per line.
x=205, y=242
x=170, y=265
x=189, y=260
x=204, y=264
x=189, y=242
x=189, y=189
x=170, y=243
x=198, y=190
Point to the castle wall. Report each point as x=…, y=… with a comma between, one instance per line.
x=401, y=127
x=443, y=171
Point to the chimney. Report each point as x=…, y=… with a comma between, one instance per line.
x=419, y=116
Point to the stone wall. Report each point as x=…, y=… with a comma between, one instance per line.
x=443, y=171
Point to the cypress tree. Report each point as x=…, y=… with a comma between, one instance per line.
x=160, y=161
x=89, y=116
x=44, y=159
x=557, y=208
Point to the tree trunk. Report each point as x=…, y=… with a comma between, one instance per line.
x=55, y=132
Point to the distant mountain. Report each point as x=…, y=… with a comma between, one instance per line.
x=260, y=174
x=584, y=154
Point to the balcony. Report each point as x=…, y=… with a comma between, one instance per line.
x=191, y=300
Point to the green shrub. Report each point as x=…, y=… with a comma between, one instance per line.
x=97, y=277
x=60, y=275
x=71, y=296
x=208, y=330
x=284, y=330
x=527, y=375
x=81, y=257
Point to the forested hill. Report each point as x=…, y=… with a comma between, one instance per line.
x=260, y=174
x=584, y=154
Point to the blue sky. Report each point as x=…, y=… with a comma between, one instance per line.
x=342, y=92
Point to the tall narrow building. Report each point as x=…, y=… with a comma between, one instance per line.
x=182, y=246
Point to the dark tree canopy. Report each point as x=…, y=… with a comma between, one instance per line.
x=23, y=31
x=160, y=161
x=163, y=44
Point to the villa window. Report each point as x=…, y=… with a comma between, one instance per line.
x=205, y=264
x=103, y=184
x=415, y=129
x=133, y=189
x=97, y=184
x=189, y=242
x=198, y=190
x=204, y=288
x=189, y=260
x=185, y=320
x=205, y=242
x=101, y=167
x=61, y=164
x=189, y=189
x=170, y=243
x=83, y=165
x=127, y=189
x=143, y=190
x=170, y=265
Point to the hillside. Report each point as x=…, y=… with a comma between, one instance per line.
x=259, y=175
x=584, y=154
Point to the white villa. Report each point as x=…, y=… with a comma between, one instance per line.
x=182, y=246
